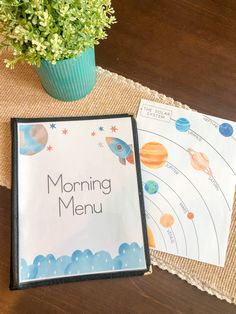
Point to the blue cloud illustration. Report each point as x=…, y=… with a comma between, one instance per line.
x=28, y=272
x=130, y=256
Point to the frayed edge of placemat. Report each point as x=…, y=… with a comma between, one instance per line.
x=163, y=98
x=155, y=261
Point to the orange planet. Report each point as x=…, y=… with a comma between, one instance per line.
x=153, y=155
x=167, y=220
x=200, y=161
x=151, y=240
x=190, y=215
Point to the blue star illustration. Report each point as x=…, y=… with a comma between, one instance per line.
x=101, y=128
x=52, y=125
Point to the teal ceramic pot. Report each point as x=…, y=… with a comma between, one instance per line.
x=69, y=79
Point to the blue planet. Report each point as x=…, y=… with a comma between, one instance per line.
x=33, y=138
x=226, y=129
x=151, y=187
x=182, y=124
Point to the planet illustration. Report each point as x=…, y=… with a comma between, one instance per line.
x=151, y=240
x=167, y=220
x=190, y=215
x=151, y=187
x=153, y=155
x=182, y=124
x=33, y=138
x=200, y=161
x=226, y=129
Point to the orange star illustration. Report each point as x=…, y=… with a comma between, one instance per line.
x=49, y=148
x=114, y=129
x=93, y=133
x=65, y=131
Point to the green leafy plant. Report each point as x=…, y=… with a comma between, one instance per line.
x=52, y=29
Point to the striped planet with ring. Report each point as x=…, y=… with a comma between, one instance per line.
x=200, y=161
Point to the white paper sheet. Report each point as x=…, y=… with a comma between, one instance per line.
x=188, y=165
x=79, y=204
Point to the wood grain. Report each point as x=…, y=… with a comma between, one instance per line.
x=186, y=50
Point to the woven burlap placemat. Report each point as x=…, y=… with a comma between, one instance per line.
x=21, y=95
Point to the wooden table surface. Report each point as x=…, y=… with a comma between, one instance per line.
x=185, y=49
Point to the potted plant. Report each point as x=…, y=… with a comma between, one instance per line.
x=57, y=36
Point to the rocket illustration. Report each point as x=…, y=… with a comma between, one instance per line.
x=121, y=150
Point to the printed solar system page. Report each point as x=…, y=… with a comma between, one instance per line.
x=78, y=199
x=188, y=163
